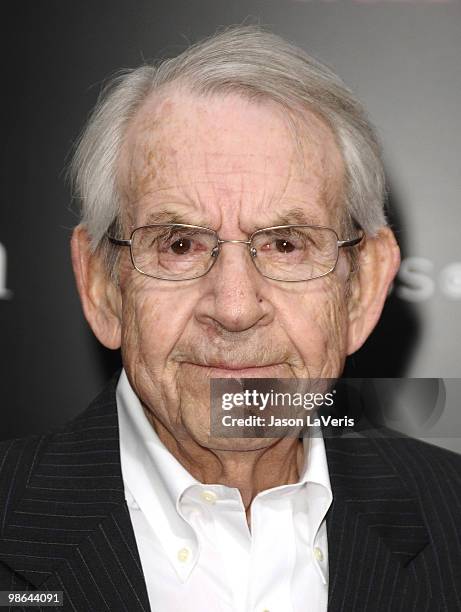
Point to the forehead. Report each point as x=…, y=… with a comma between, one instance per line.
x=211, y=156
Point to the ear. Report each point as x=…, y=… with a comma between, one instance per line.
x=378, y=264
x=98, y=294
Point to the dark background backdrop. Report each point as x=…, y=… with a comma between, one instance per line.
x=403, y=59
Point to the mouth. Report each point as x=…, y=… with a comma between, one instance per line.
x=226, y=370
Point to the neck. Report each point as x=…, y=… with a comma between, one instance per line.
x=251, y=469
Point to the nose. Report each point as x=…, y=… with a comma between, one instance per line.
x=236, y=295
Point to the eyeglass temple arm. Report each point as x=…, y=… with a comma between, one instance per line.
x=350, y=243
x=118, y=241
x=353, y=241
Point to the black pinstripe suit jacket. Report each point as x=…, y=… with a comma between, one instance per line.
x=394, y=528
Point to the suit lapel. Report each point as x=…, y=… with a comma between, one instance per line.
x=67, y=526
x=375, y=528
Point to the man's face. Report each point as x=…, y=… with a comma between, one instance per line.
x=233, y=166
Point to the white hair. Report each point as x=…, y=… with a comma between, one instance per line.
x=246, y=60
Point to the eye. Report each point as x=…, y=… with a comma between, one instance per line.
x=282, y=243
x=284, y=246
x=190, y=243
x=181, y=246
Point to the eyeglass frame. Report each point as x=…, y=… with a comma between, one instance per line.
x=252, y=250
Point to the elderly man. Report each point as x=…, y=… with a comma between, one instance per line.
x=232, y=227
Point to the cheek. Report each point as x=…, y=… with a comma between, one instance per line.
x=333, y=326
x=140, y=318
x=154, y=317
x=317, y=325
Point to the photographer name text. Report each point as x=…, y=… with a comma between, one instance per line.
x=272, y=421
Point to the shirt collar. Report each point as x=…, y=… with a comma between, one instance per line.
x=315, y=467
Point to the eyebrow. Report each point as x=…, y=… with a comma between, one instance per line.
x=292, y=216
x=165, y=215
x=296, y=216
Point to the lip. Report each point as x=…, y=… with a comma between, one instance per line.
x=224, y=370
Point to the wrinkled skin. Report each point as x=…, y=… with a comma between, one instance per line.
x=234, y=166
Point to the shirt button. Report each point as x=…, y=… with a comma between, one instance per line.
x=318, y=554
x=183, y=554
x=209, y=496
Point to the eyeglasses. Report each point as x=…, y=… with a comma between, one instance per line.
x=289, y=253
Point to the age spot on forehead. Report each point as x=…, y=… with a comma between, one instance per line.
x=143, y=155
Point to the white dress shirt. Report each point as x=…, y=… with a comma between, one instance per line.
x=196, y=550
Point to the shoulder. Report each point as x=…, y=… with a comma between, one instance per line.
x=94, y=428
x=431, y=472
x=417, y=455
x=14, y=454
x=378, y=457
